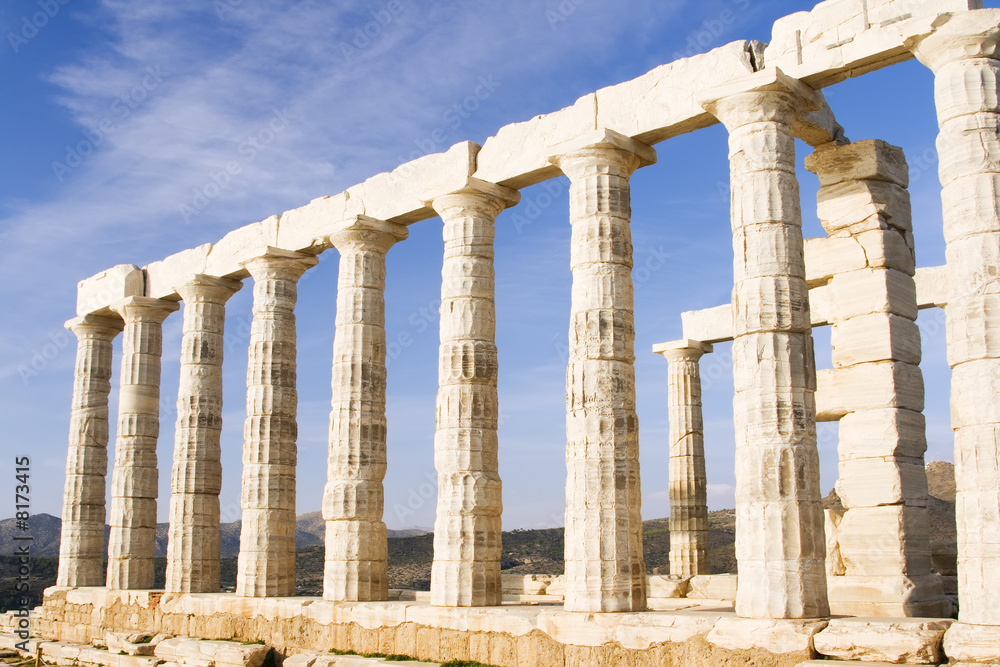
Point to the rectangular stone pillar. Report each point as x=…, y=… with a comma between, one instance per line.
x=196, y=475
x=605, y=570
x=266, y=563
x=81, y=543
x=780, y=545
x=466, y=568
x=353, y=499
x=964, y=55
x=688, y=490
x=135, y=481
x=883, y=536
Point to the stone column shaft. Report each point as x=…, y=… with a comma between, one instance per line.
x=688, y=483
x=81, y=544
x=965, y=57
x=605, y=570
x=266, y=563
x=780, y=545
x=196, y=476
x=883, y=535
x=353, y=499
x=135, y=481
x=467, y=549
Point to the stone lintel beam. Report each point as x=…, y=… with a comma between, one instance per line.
x=356, y=557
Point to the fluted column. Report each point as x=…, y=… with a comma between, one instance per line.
x=780, y=548
x=81, y=544
x=135, y=480
x=466, y=568
x=196, y=477
x=965, y=57
x=688, y=522
x=356, y=548
x=266, y=563
x=883, y=536
x=605, y=570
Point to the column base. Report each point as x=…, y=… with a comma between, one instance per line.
x=973, y=643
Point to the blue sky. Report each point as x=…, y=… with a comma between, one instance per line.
x=121, y=116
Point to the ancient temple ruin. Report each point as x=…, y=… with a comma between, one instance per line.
x=797, y=566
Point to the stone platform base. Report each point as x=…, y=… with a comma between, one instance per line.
x=697, y=633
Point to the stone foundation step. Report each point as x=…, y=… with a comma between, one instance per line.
x=183, y=652
x=855, y=663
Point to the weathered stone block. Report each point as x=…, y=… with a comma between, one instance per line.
x=97, y=293
x=915, y=641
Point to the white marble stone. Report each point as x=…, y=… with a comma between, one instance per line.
x=688, y=486
x=779, y=542
x=196, y=474
x=135, y=480
x=605, y=570
x=356, y=548
x=81, y=543
x=466, y=567
x=893, y=640
x=266, y=562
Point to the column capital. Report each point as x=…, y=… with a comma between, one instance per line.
x=144, y=309
x=95, y=326
x=279, y=263
x=601, y=147
x=208, y=287
x=868, y=160
x=682, y=350
x=367, y=233
x=477, y=194
x=965, y=36
x=766, y=95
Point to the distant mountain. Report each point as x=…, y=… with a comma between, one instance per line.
x=44, y=530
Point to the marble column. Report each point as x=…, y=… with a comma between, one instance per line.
x=356, y=548
x=965, y=57
x=135, y=480
x=81, y=544
x=196, y=477
x=605, y=570
x=780, y=544
x=688, y=483
x=466, y=567
x=883, y=535
x=266, y=563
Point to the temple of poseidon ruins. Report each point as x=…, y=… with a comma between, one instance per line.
x=812, y=585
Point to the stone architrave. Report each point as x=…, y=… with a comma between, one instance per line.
x=356, y=547
x=135, y=480
x=196, y=477
x=883, y=535
x=605, y=570
x=466, y=567
x=780, y=547
x=688, y=490
x=964, y=55
x=266, y=563
x=81, y=543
